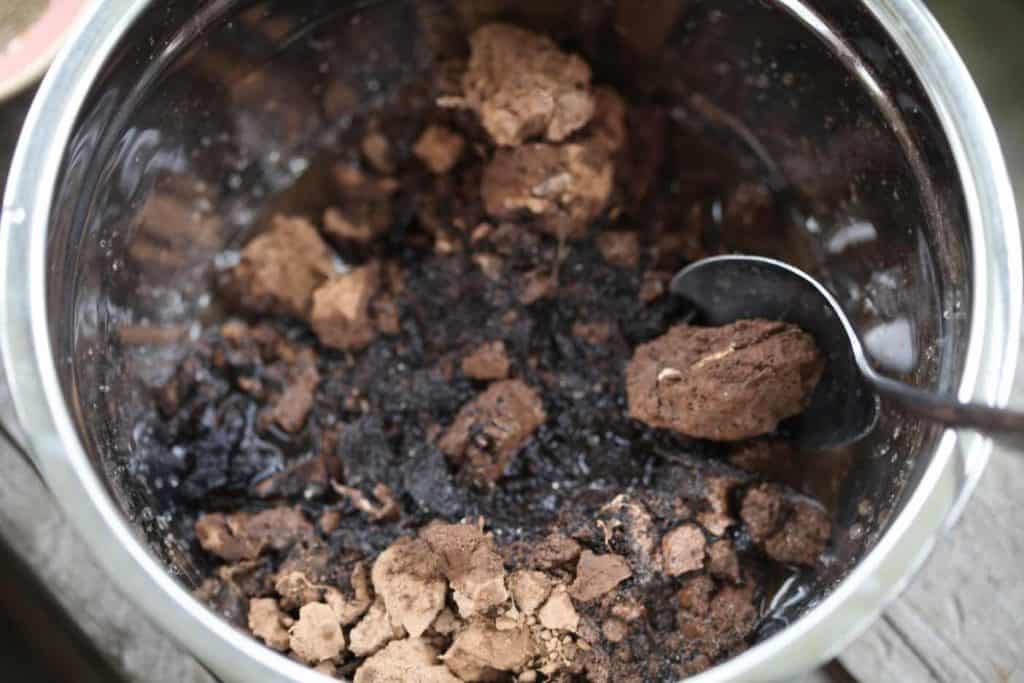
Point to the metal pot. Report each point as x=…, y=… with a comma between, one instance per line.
x=859, y=115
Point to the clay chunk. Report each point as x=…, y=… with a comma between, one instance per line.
x=341, y=309
x=726, y=383
x=563, y=187
x=317, y=637
x=472, y=565
x=490, y=429
x=290, y=410
x=521, y=86
x=245, y=536
x=788, y=528
x=403, y=661
x=620, y=248
x=530, y=589
x=372, y=632
x=683, y=550
x=265, y=623
x=278, y=271
x=407, y=576
x=439, y=148
x=487, y=362
x=597, y=575
x=480, y=652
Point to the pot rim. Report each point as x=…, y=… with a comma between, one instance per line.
x=40, y=416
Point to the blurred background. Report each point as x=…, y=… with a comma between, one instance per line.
x=61, y=620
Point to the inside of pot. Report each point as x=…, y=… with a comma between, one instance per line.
x=789, y=129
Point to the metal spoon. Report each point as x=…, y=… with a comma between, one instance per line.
x=845, y=404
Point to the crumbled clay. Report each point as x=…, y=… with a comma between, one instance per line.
x=717, y=518
x=562, y=187
x=722, y=560
x=293, y=406
x=471, y=564
x=620, y=248
x=404, y=661
x=217, y=537
x=555, y=550
x=279, y=270
x=627, y=519
x=350, y=609
x=266, y=623
x=317, y=637
x=439, y=148
x=788, y=528
x=530, y=589
x=341, y=309
x=373, y=631
x=683, y=550
x=487, y=362
x=726, y=383
x=488, y=431
x=407, y=576
x=596, y=575
x=296, y=588
x=558, y=613
x=521, y=86
x=244, y=536
x=481, y=651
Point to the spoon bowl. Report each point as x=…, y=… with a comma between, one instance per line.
x=723, y=289
x=845, y=404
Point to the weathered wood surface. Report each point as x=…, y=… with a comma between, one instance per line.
x=36, y=530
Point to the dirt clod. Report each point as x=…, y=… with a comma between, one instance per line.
x=472, y=565
x=562, y=187
x=558, y=613
x=266, y=623
x=530, y=589
x=480, y=652
x=726, y=383
x=439, y=148
x=598, y=574
x=521, y=85
x=683, y=549
x=620, y=248
x=787, y=527
x=341, y=309
x=278, y=270
x=244, y=536
x=411, y=659
x=487, y=362
x=489, y=430
x=316, y=637
x=372, y=632
x=407, y=576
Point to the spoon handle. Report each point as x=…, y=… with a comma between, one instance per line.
x=1004, y=426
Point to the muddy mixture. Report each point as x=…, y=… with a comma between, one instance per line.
x=457, y=429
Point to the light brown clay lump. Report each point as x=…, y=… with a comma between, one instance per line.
x=726, y=383
x=489, y=430
x=279, y=270
x=523, y=86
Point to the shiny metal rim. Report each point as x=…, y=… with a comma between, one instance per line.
x=823, y=632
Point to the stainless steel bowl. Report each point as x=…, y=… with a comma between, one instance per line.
x=859, y=115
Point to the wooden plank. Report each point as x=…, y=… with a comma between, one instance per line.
x=36, y=530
